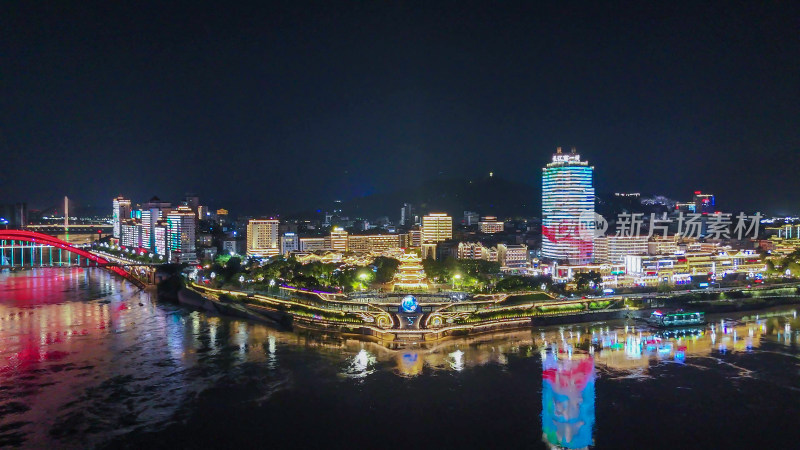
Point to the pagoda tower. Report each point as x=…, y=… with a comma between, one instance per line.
x=410, y=275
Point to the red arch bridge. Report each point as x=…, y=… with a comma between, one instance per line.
x=19, y=248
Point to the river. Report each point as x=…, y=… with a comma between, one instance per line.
x=87, y=360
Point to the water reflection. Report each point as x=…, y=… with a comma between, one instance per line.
x=567, y=398
x=83, y=358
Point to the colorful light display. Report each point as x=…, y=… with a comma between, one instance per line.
x=567, y=199
x=568, y=400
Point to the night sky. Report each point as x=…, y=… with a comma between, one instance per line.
x=283, y=106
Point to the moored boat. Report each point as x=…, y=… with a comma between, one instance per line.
x=676, y=319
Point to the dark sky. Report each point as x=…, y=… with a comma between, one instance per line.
x=281, y=106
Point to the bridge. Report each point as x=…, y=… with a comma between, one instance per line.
x=15, y=244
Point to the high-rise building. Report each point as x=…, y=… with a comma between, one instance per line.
x=414, y=238
x=130, y=234
x=121, y=211
x=407, y=215
x=263, y=237
x=151, y=212
x=437, y=227
x=471, y=218
x=222, y=216
x=567, y=209
x=203, y=213
x=290, y=242
x=339, y=239
x=161, y=240
x=490, y=224
x=182, y=229
x=615, y=248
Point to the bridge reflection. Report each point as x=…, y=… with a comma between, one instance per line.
x=20, y=248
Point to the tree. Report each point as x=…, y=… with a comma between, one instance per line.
x=586, y=279
x=387, y=267
x=518, y=283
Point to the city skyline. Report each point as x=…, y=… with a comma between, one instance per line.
x=417, y=213
x=311, y=109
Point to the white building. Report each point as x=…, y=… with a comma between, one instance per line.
x=262, y=237
x=567, y=209
x=121, y=211
x=512, y=255
x=290, y=242
x=182, y=224
x=615, y=248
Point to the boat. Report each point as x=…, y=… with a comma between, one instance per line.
x=676, y=319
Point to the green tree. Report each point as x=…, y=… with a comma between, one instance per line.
x=586, y=279
x=387, y=267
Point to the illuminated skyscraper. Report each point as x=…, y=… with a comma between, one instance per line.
x=182, y=228
x=437, y=227
x=121, y=211
x=567, y=209
x=152, y=211
x=263, y=237
x=339, y=239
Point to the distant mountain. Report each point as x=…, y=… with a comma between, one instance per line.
x=493, y=196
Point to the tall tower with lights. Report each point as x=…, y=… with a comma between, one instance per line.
x=567, y=209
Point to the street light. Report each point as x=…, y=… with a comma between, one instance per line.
x=456, y=277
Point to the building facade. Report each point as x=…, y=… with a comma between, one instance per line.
x=514, y=256
x=263, y=237
x=567, y=209
x=436, y=227
x=182, y=224
x=290, y=242
x=615, y=248
x=121, y=211
x=490, y=225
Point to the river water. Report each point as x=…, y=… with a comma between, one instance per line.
x=86, y=360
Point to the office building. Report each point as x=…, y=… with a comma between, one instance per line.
x=121, y=211
x=222, y=216
x=414, y=238
x=472, y=250
x=407, y=215
x=374, y=242
x=490, y=225
x=151, y=213
x=130, y=234
x=161, y=239
x=567, y=209
x=314, y=244
x=512, y=256
x=203, y=213
x=471, y=218
x=263, y=237
x=339, y=239
x=437, y=227
x=182, y=224
x=290, y=242
x=615, y=248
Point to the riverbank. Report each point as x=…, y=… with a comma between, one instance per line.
x=192, y=299
x=381, y=322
